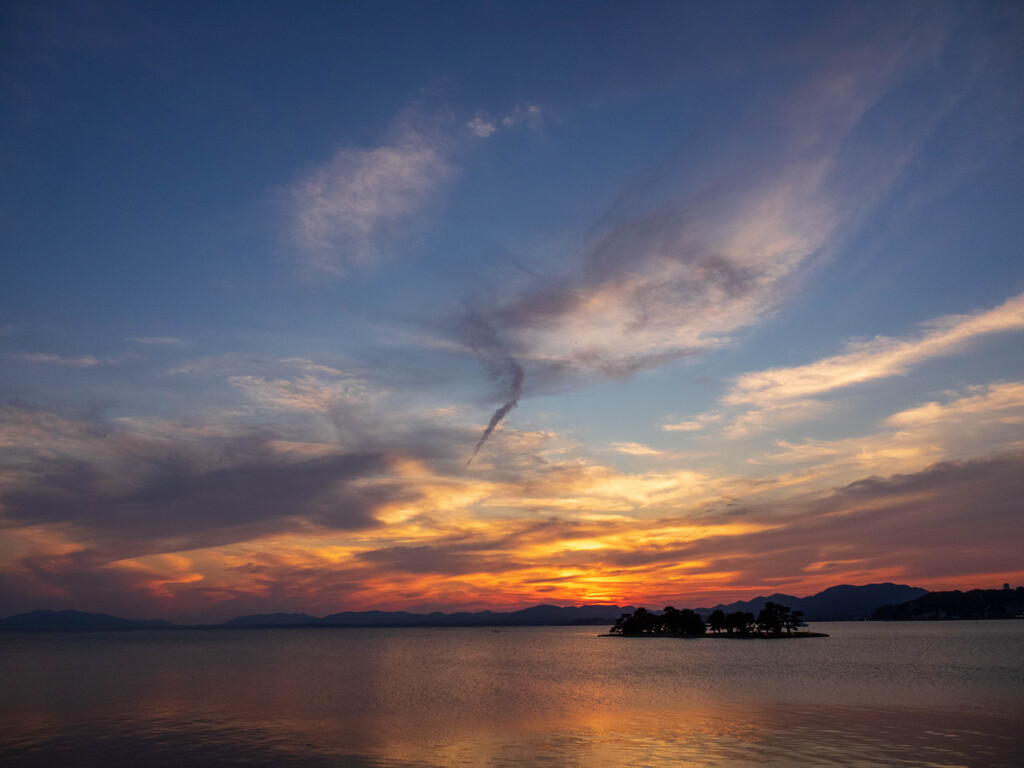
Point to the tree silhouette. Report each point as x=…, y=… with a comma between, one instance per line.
x=796, y=618
x=672, y=621
x=692, y=623
x=769, y=622
x=640, y=622
x=774, y=618
x=717, y=621
x=739, y=622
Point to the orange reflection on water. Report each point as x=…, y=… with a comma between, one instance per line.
x=513, y=697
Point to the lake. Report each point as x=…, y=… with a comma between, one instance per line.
x=871, y=694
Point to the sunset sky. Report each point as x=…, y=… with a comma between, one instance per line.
x=739, y=287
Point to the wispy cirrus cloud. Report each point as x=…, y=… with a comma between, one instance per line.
x=65, y=361
x=682, y=267
x=706, y=251
x=352, y=209
x=775, y=416
x=878, y=358
x=304, y=393
x=635, y=449
x=158, y=341
x=348, y=210
x=647, y=452
x=684, y=426
x=976, y=422
x=1003, y=401
x=660, y=281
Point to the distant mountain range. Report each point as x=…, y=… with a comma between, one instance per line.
x=842, y=603
x=1002, y=603
x=833, y=604
x=539, y=615
x=78, y=620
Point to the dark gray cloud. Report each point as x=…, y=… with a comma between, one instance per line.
x=449, y=560
x=132, y=496
x=502, y=369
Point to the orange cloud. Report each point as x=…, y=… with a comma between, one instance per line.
x=405, y=531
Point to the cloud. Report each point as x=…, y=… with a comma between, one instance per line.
x=775, y=416
x=131, y=494
x=481, y=127
x=683, y=426
x=83, y=361
x=460, y=559
x=198, y=521
x=532, y=115
x=986, y=420
x=879, y=358
x=224, y=365
x=349, y=210
x=949, y=517
x=353, y=209
x=1003, y=401
x=635, y=449
x=689, y=256
x=305, y=393
x=177, y=507
x=501, y=368
x=902, y=526
x=158, y=341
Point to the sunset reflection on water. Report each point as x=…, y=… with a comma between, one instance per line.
x=544, y=696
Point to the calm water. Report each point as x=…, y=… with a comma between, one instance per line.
x=949, y=694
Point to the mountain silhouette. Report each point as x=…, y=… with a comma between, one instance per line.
x=1002, y=603
x=78, y=620
x=272, y=620
x=538, y=615
x=839, y=603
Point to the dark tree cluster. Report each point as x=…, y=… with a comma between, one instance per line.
x=671, y=621
x=772, y=621
x=736, y=623
x=775, y=619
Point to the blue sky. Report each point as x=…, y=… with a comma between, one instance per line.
x=738, y=288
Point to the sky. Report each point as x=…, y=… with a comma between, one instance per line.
x=453, y=305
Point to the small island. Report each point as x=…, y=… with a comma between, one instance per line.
x=773, y=622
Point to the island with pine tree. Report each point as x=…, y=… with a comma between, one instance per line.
x=773, y=621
